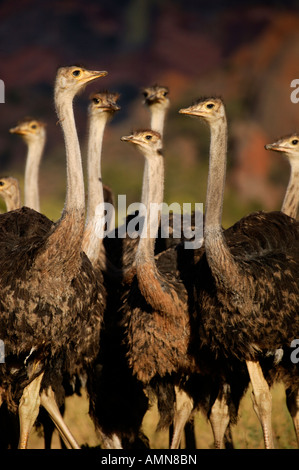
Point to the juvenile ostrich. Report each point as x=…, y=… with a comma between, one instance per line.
x=247, y=279
x=289, y=146
x=34, y=134
x=101, y=109
x=51, y=300
x=157, y=329
x=10, y=192
x=115, y=400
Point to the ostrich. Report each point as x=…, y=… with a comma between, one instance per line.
x=101, y=109
x=115, y=418
x=247, y=280
x=156, y=98
x=289, y=146
x=157, y=329
x=10, y=192
x=34, y=134
x=52, y=301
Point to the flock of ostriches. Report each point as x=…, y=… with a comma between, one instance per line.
x=137, y=320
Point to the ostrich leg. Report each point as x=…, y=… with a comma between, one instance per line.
x=47, y=400
x=184, y=408
x=219, y=418
x=28, y=409
x=262, y=401
x=293, y=407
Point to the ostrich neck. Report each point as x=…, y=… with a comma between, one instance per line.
x=160, y=294
x=218, y=254
x=91, y=242
x=94, y=171
x=157, y=120
x=61, y=254
x=150, y=283
x=13, y=201
x=35, y=150
x=291, y=199
x=74, y=173
x=157, y=124
x=153, y=194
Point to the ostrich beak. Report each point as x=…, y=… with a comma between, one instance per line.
x=191, y=112
x=274, y=147
x=92, y=75
x=127, y=138
x=17, y=130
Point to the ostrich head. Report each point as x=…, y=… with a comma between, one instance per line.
x=147, y=141
x=156, y=96
x=31, y=130
x=209, y=109
x=103, y=102
x=70, y=80
x=289, y=145
x=9, y=185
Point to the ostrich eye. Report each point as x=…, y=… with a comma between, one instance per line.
x=295, y=141
x=145, y=94
x=33, y=126
x=165, y=93
x=210, y=105
x=1, y=183
x=148, y=137
x=76, y=73
x=96, y=100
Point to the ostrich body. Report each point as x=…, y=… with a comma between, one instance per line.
x=51, y=300
x=10, y=192
x=34, y=134
x=155, y=306
x=247, y=279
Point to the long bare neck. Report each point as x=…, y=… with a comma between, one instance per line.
x=158, y=119
x=157, y=124
x=31, y=192
x=218, y=255
x=153, y=194
x=12, y=200
x=91, y=244
x=291, y=199
x=75, y=183
x=61, y=255
x=153, y=287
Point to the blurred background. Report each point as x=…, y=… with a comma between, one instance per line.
x=246, y=52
